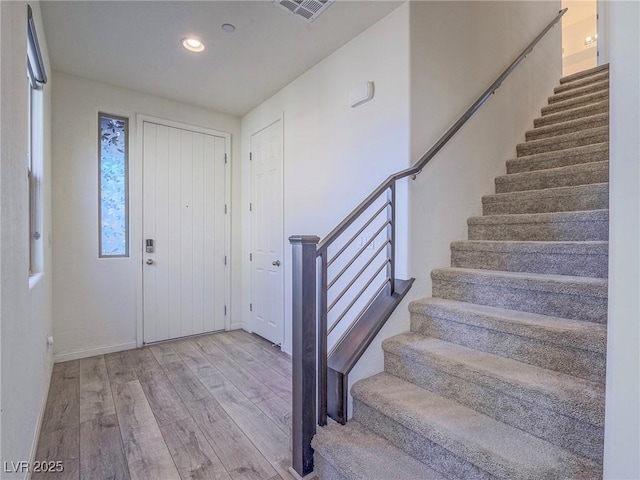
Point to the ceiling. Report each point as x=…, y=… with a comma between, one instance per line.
x=136, y=44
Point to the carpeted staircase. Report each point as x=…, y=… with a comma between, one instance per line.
x=502, y=374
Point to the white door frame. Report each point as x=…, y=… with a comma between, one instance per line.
x=137, y=213
x=284, y=276
x=602, y=29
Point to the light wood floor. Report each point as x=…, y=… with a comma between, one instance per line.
x=209, y=407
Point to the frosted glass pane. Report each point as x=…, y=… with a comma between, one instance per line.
x=113, y=186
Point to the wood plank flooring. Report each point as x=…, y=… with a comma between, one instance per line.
x=202, y=408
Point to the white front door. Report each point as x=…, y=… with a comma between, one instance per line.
x=267, y=236
x=184, y=217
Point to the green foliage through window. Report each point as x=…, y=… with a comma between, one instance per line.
x=114, y=240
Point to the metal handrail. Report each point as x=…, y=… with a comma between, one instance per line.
x=310, y=303
x=420, y=164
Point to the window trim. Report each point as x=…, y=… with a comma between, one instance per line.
x=126, y=184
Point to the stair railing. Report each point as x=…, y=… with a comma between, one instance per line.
x=314, y=299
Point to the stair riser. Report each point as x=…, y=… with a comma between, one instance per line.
x=416, y=445
x=572, y=114
x=542, y=231
x=590, y=174
x=600, y=120
x=572, y=361
x=575, y=102
x=547, y=204
x=559, y=143
x=566, y=432
x=324, y=470
x=582, y=83
x=579, y=92
x=578, y=265
x=559, y=159
x=577, y=307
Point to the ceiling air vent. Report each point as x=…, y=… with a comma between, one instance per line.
x=307, y=10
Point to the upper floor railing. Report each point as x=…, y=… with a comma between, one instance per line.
x=344, y=289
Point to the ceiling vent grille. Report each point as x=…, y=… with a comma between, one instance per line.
x=307, y=10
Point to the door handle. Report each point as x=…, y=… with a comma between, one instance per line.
x=276, y=263
x=149, y=261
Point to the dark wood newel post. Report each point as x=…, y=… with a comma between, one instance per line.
x=304, y=350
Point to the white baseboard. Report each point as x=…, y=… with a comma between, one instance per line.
x=36, y=437
x=90, y=352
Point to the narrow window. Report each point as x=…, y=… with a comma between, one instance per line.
x=114, y=216
x=36, y=79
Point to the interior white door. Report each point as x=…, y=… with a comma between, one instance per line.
x=267, y=235
x=184, y=215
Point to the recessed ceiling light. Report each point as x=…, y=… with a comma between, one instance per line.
x=227, y=27
x=192, y=44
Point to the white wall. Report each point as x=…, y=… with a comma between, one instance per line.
x=579, y=22
x=457, y=50
x=1, y=228
x=25, y=312
x=622, y=416
x=335, y=155
x=95, y=309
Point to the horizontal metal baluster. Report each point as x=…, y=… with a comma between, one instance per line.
x=357, y=297
x=357, y=234
x=369, y=242
x=375, y=295
x=351, y=263
x=355, y=277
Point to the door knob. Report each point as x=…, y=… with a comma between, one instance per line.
x=149, y=261
x=276, y=263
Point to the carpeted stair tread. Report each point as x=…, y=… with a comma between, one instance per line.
x=565, y=394
x=585, y=74
x=581, y=259
x=577, y=92
x=564, y=345
x=572, y=103
x=594, y=196
x=572, y=113
x=594, y=78
x=558, y=408
x=569, y=176
x=596, y=287
x=578, y=298
x=354, y=453
x=564, y=141
x=554, y=330
x=562, y=158
x=495, y=448
x=590, y=225
x=568, y=126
